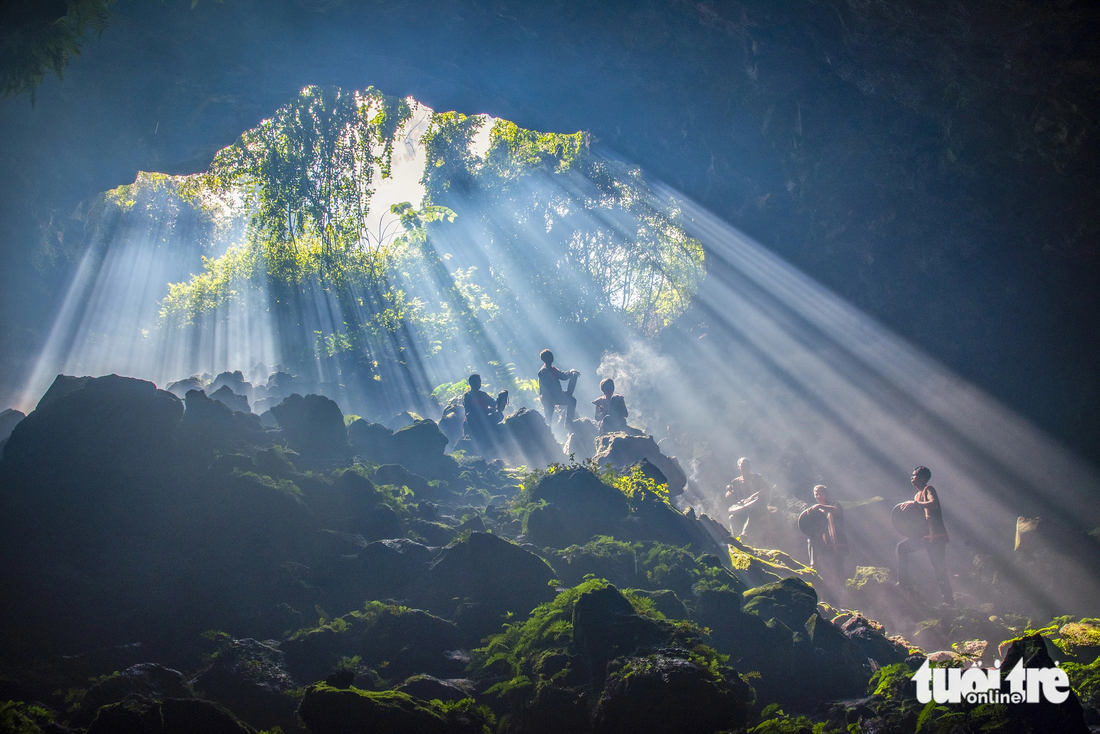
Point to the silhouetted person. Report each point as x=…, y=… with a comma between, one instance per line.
x=481, y=410
x=749, y=495
x=611, y=412
x=550, y=392
x=935, y=542
x=829, y=546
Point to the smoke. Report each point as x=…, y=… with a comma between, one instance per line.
x=643, y=375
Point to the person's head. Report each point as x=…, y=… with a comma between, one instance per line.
x=475, y=381
x=821, y=494
x=743, y=465
x=547, y=357
x=921, y=475
x=607, y=386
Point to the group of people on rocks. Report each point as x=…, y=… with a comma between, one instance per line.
x=823, y=524
x=484, y=412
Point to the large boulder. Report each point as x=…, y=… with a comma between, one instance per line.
x=418, y=447
x=790, y=600
x=1043, y=716
x=668, y=692
x=605, y=626
x=172, y=716
x=492, y=571
x=872, y=641
x=371, y=441
x=234, y=381
x=526, y=439
x=329, y=710
x=581, y=443
x=83, y=481
x=389, y=568
x=622, y=451
x=314, y=427
x=250, y=679
x=430, y=688
x=234, y=400
x=9, y=419
x=180, y=388
x=578, y=506
x=400, y=642
x=147, y=680
x=211, y=425
x=87, y=427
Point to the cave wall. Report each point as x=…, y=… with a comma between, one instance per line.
x=934, y=163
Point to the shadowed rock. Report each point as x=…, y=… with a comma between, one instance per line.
x=234, y=400
x=172, y=716
x=490, y=570
x=328, y=710
x=313, y=426
x=9, y=419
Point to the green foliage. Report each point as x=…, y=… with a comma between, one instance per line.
x=608, y=243
x=535, y=652
x=1085, y=679
x=282, y=486
x=775, y=721
x=17, y=717
x=867, y=575
x=635, y=484
x=42, y=37
x=891, y=681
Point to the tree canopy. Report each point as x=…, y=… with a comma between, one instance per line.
x=536, y=224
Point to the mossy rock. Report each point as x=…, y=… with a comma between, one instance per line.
x=328, y=710
x=670, y=692
x=666, y=602
x=789, y=600
x=1080, y=640
x=398, y=640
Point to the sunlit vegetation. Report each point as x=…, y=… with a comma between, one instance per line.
x=566, y=233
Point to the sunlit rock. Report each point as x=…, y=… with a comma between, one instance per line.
x=621, y=451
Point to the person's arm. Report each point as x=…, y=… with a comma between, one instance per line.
x=933, y=500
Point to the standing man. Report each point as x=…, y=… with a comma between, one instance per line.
x=550, y=392
x=935, y=542
x=829, y=546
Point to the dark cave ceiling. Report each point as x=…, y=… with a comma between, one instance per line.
x=934, y=163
